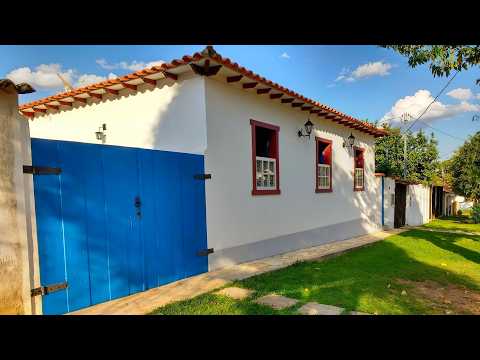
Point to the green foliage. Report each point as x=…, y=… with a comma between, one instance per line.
x=422, y=155
x=464, y=168
x=459, y=212
x=442, y=59
x=476, y=213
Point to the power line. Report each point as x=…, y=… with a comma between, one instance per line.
x=435, y=99
x=443, y=132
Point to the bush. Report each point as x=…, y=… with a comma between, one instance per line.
x=459, y=213
x=476, y=213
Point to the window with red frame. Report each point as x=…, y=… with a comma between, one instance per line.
x=359, y=170
x=323, y=166
x=265, y=158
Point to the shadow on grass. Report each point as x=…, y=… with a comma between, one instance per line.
x=448, y=242
x=364, y=279
x=462, y=219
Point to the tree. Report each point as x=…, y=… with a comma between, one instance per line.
x=464, y=167
x=442, y=59
x=422, y=155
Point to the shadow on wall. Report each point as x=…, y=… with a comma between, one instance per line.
x=181, y=124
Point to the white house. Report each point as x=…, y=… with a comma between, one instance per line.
x=271, y=190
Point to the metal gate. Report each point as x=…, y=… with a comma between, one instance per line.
x=113, y=221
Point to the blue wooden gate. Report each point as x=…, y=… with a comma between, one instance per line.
x=116, y=221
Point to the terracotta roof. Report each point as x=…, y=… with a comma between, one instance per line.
x=211, y=55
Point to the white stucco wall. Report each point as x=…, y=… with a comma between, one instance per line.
x=417, y=209
x=417, y=204
x=170, y=117
x=236, y=217
x=389, y=202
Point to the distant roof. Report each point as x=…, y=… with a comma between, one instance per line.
x=22, y=88
x=207, y=63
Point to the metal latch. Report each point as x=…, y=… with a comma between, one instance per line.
x=41, y=170
x=205, y=252
x=202, y=176
x=45, y=290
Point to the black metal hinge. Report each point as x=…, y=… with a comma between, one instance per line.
x=202, y=176
x=205, y=252
x=44, y=290
x=41, y=170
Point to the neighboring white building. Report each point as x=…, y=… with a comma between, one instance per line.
x=412, y=210
x=271, y=191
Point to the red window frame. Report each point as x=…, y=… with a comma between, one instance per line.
x=319, y=140
x=254, y=125
x=362, y=150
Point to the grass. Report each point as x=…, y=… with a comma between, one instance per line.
x=463, y=223
x=365, y=279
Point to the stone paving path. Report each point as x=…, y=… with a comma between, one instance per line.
x=235, y=293
x=147, y=301
x=276, y=302
x=313, y=308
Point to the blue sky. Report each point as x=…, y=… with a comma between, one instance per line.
x=367, y=82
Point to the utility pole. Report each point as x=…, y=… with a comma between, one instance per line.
x=405, y=118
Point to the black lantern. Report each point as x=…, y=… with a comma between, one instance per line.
x=349, y=142
x=308, y=129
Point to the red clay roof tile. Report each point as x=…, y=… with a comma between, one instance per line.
x=207, y=53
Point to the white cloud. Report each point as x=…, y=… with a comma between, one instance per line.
x=88, y=79
x=132, y=66
x=478, y=96
x=43, y=76
x=285, y=56
x=378, y=68
x=418, y=102
x=461, y=94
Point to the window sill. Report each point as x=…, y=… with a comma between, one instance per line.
x=359, y=189
x=265, y=192
x=323, y=190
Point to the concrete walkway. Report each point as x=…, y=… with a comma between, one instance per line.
x=147, y=301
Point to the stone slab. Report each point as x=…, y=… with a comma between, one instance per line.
x=276, y=302
x=235, y=293
x=313, y=308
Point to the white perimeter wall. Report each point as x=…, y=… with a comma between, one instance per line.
x=389, y=203
x=236, y=217
x=418, y=201
x=417, y=210
x=170, y=117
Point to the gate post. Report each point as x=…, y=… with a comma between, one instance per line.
x=19, y=269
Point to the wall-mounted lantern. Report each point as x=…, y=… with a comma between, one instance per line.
x=349, y=142
x=100, y=134
x=308, y=129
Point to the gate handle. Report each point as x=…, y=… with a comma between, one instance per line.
x=138, y=205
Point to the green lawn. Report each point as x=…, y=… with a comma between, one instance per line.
x=417, y=263
x=463, y=223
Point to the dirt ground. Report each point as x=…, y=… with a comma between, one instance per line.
x=449, y=299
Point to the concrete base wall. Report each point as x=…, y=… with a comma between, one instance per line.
x=291, y=242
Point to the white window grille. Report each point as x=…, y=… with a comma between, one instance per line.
x=358, y=178
x=266, y=173
x=323, y=175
